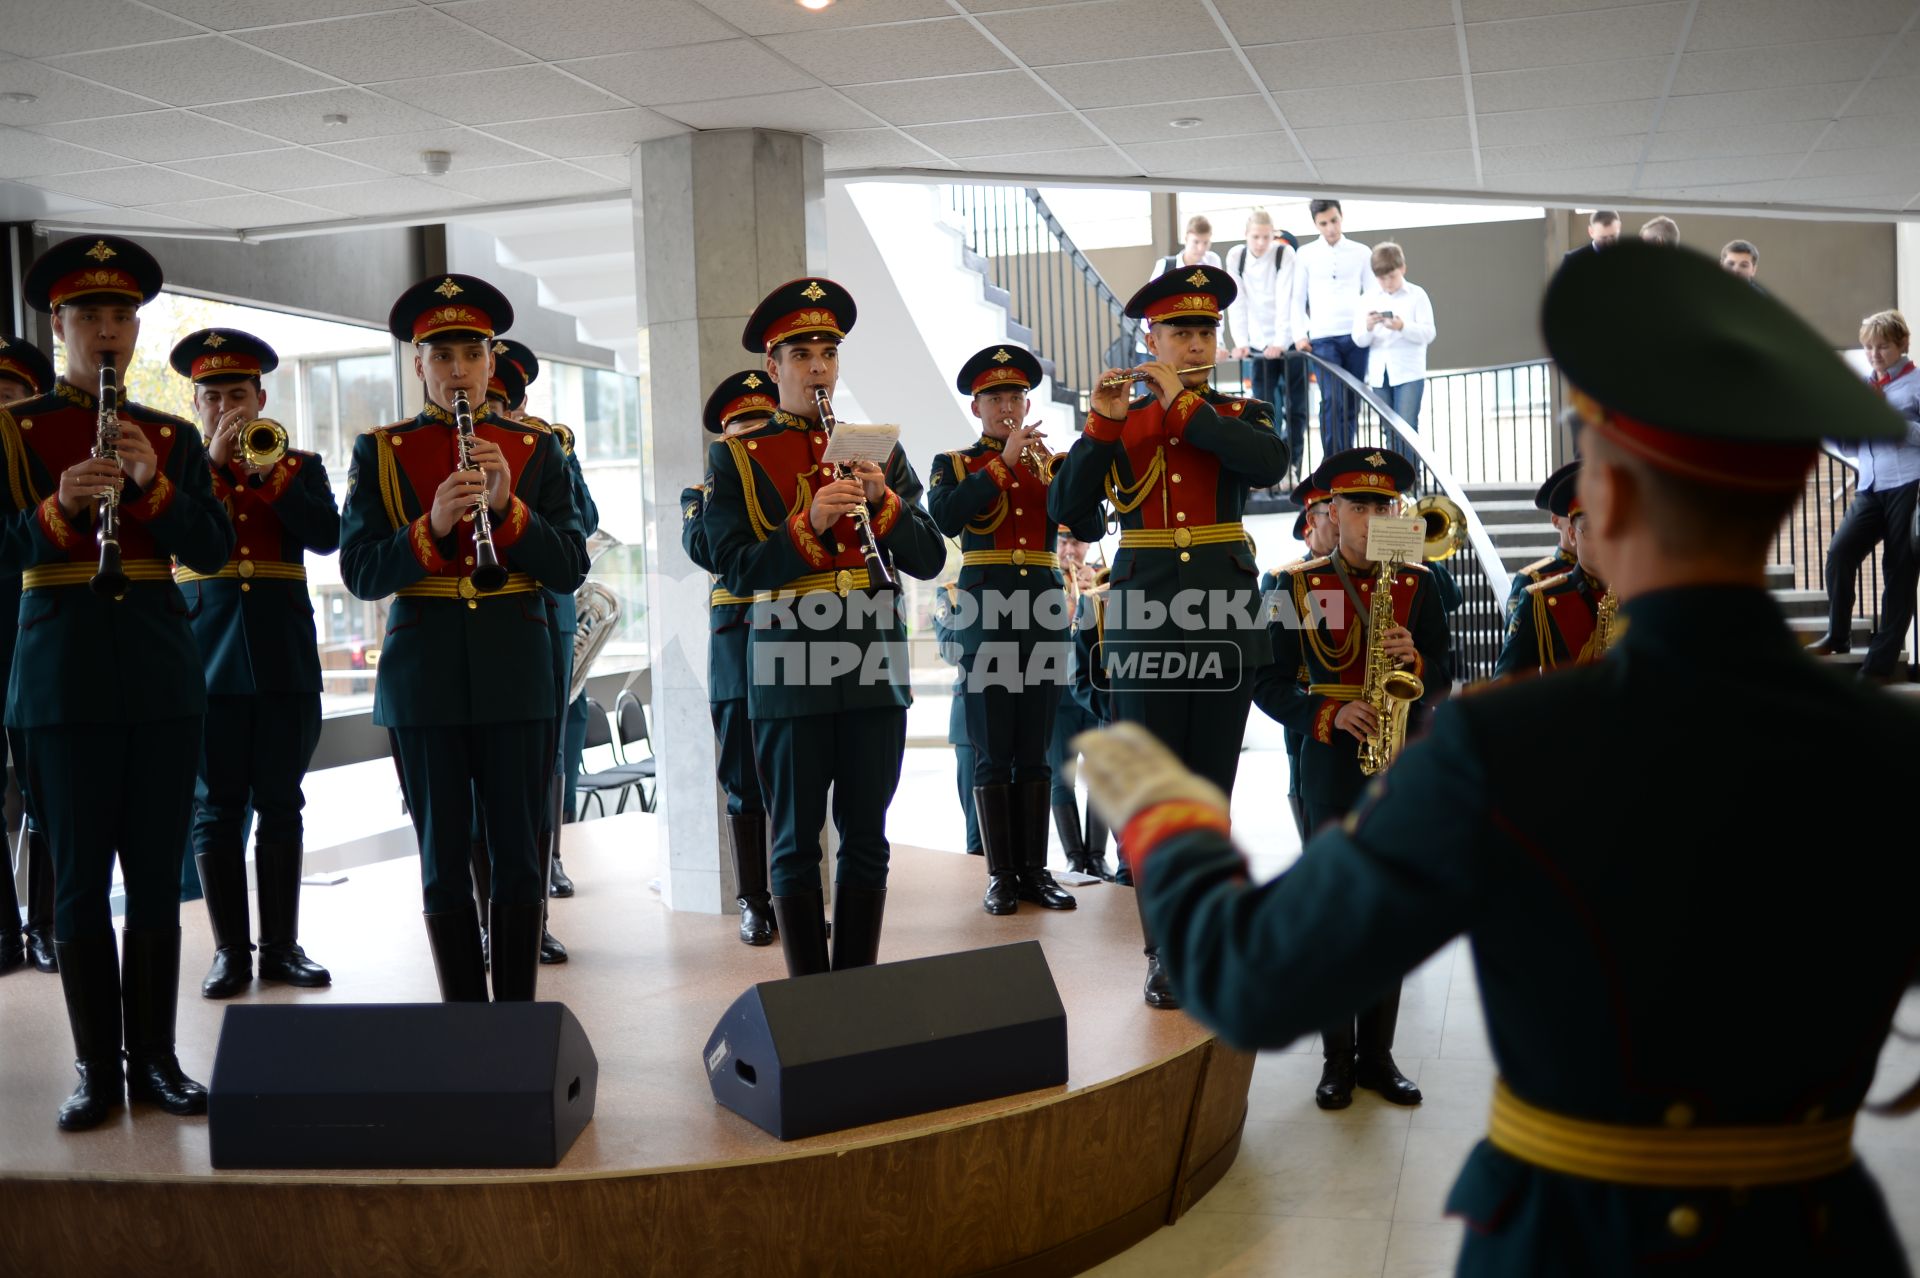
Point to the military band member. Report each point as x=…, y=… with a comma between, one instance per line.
x=1560, y=622
x=1176, y=465
x=253, y=620
x=1086, y=853
x=107, y=692
x=1324, y=629
x=739, y=405
x=943, y=613
x=1619, y=952
x=1561, y=560
x=467, y=681
x=1313, y=528
x=24, y=373
x=992, y=497
x=828, y=683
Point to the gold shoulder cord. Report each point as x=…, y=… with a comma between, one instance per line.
x=1543, y=629
x=1335, y=659
x=756, y=517
x=1126, y=500
x=390, y=492
x=19, y=478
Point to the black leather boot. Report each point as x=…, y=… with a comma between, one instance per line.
x=1336, y=1076
x=223, y=882
x=558, y=884
x=1097, y=845
x=516, y=949
x=40, y=881
x=747, y=838
x=90, y=978
x=13, y=946
x=278, y=866
x=803, y=932
x=150, y=996
x=1833, y=643
x=551, y=951
x=856, y=925
x=993, y=806
x=457, y=961
x=1374, y=1068
x=1158, y=990
x=1030, y=803
x=482, y=891
x=1073, y=840
x=557, y=877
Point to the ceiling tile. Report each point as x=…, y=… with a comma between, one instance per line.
x=1104, y=29
x=1263, y=22
x=240, y=211
x=689, y=73
x=758, y=17
x=1598, y=83
x=1756, y=107
x=1703, y=144
x=1057, y=132
x=159, y=135
x=1237, y=174
x=232, y=15
x=1583, y=153
x=1341, y=141
x=617, y=167
x=384, y=46
x=605, y=133
x=1574, y=38
x=945, y=46
x=1717, y=169
x=1407, y=100
x=1730, y=24
x=508, y=93
x=278, y=170
x=1529, y=128
x=583, y=28
x=24, y=154
x=874, y=148
x=1098, y=161
x=387, y=196
x=1213, y=153
x=1879, y=96
x=1833, y=161
x=299, y=117
x=1132, y=81
x=804, y=111
x=1727, y=70
x=60, y=96
x=544, y=180
x=137, y=185
x=1853, y=182
x=1903, y=58
x=401, y=152
x=192, y=72
x=1431, y=168
x=131, y=219
x=1358, y=60
x=1219, y=117
x=1495, y=10
x=1893, y=129
x=37, y=29
x=986, y=95
x=1608, y=182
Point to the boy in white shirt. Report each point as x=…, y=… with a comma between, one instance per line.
x=1261, y=320
x=1395, y=325
x=1329, y=277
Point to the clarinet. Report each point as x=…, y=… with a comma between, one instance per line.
x=110, y=579
x=488, y=574
x=877, y=567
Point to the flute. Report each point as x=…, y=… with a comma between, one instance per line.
x=1128, y=378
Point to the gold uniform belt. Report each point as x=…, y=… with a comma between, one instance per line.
x=518, y=583
x=1181, y=538
x=1017, y=558
x=1338, y=691
x=722, y=597
x=79, y=574
x=246, y=570
x=842, y=582
x=1671, y=1157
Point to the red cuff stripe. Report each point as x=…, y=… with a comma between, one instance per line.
x=1153, y=826
x=1105, y=429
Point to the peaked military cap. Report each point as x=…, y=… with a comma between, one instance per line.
x=998, y=366
x=1684, y=366
x=1186, y=295
x=448, y=306
x=1558, y=496
x=520, y=355
x=808, y=309
x=1379, y=471
x=23, y=361
x=88, y=265
x=1306, y=495
x=211, y=354
x=507, y=384
x=747, y=394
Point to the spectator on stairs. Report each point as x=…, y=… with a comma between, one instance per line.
x=1882, y=510
x=1329, y=277
x=1661, y=230
x=1197, y=250
x=1261, y=321
x=1394, y=324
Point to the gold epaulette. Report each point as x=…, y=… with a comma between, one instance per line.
x=1310, y=565
x=1539, y=566
x=375, y=430
x=1548, y=583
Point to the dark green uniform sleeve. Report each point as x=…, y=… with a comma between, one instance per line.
x=913, y=543
x=584, y=506
x=1520, y=654
x=1277, y=689
x=22, y=543
x=744, y=562
x=1433, y=639
x=693, y=527
x=551, y=549
x=1079, y=486
x=308, y=510
x=194, y=527
x=1451, y=596
x=1245, y=445
x=1366, y=903
x=376, y=558
x=954, y=502
x=1516, y=595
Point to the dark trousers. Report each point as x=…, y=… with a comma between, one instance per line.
x=1876, y=517
x=856, y=754
x=1339, y=406
x=1283, y=383
x=102, y=789
x=963, y=766
x=1070, y=719
x=739, y=775
x=574, y=747
x=442, y=770
x=1371, y=1028
x=1204, y=728
x=1009, y=729
x=255, y=748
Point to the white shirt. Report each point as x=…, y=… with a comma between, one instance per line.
x=1396, y=354
x=1886, y=464
x=1262, y=313
x=1328, y=280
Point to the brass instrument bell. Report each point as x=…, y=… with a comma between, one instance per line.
x=263, y=442
x=1446, y=527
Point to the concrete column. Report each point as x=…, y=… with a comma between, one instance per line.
x=720, y=219
x=1906, y=268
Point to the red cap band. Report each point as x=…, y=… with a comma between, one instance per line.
x=808, y=321
x=993, y=377
x=1183, y=304
x=225, y=366
x=95, y=279
x=446, y=319
x=1718, y=463
x=746, y=405
x=1363, y=481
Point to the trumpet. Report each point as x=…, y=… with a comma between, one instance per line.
x=1035, y=455
x=488, y=572
x=263, y=442
x=1127, y=379
x=110, y=579
x=862, y=519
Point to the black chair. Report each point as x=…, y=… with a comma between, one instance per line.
x=619, y=778
x=630, y=724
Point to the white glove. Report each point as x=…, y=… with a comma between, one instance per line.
x=1128, y=770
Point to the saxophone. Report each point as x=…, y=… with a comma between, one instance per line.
x=1390, y=690
x=1606, y=623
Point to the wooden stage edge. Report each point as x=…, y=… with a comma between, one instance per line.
x=1048, y=1183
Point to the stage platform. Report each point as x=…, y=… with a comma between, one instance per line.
x=664, y=1181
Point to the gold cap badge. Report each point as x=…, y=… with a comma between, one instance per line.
x=752, y=381
x=100, y=252
x=216, y=341
x=1000, y=356
x=813, y=292
x=1197, y=278
x=449, y=289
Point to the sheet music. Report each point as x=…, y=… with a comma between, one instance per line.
x=858, y=442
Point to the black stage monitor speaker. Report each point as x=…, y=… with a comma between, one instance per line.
x=338, y=1085
x=815, y=1054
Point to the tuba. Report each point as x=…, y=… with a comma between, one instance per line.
x=1390, y=690
x=1446, y=527
x=597, y=617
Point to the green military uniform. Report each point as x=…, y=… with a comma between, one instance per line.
x=1619, y=957
x=1561, y=560
x=253, y=621
x=467, y=679
x=1558, y=621
x=947, y=643
x=1085, y=839
x=1306, y=496
x=107, y=692
x=1012, y=632
x=1178, y=478
x=828, y=682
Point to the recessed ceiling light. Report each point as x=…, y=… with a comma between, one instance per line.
x=333, y=120
x=436, y=162
x=1185, y=122
x=815, y=5
x=19, y=97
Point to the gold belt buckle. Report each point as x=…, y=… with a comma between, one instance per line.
x=1019, y=557
x=467, y=589
x=1183, y=537
x=843, y=582
x=245, y=568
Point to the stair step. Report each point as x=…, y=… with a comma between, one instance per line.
x=1477, y=493
x=1810, y=628
x=1802, y=603
x=1510, y=512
